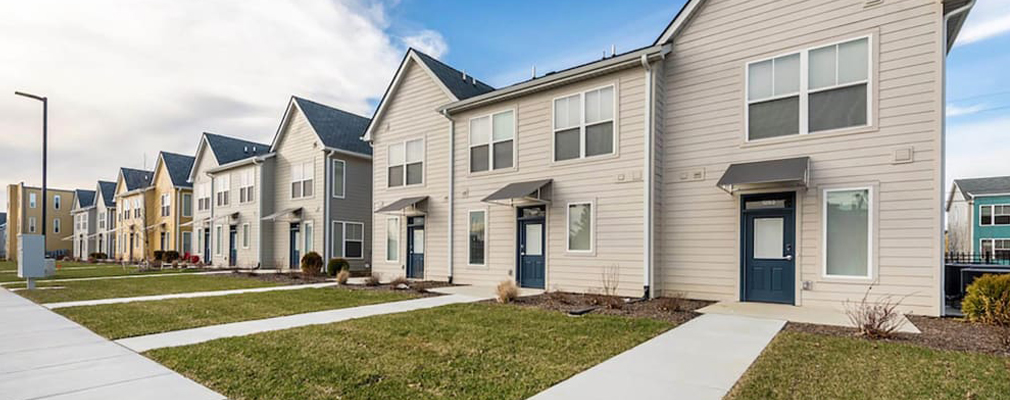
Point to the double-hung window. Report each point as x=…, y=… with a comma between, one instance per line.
x=492, y=141
x=101, y=221
x=580, y=227
x=32, y=200
x=136, y=208
x=847, y=236
x=834, y=93
x=405, y=165
x=57, y=203
x=203, y=196
x=31, y=224
x=302, y=178
x=309, y=237
x=166, y=204
x=348, y=239
x=477, y=247
x=994, y=215
x=222, y=190
x=218, y=240
x=56, y=225
x=584, y=124
x=187, y=205
x=245, y=236
x=339, y=180
x=246, y=186
x=996, y=248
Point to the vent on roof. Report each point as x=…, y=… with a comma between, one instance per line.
x=464, y=75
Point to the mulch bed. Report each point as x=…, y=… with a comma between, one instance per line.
x=418, y=287
x=674, y=310
x=938, y=333
x=286, y=278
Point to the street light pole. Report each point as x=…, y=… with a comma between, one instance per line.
x=45, y=159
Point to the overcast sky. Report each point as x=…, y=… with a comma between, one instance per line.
x=129, y=78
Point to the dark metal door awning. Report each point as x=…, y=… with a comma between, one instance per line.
x=535, y=192
x=405, y=206
x=787, y=172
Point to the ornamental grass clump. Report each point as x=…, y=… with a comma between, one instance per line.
x=507, y=292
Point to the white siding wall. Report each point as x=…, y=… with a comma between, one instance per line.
x=959, y=224
x=299, y=144
x=249, y=213
x=204, y=162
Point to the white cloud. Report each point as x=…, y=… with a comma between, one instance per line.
x=987, y=19
x=429, y=42
x=127, y=79
x=978, y=149
x=957, y=111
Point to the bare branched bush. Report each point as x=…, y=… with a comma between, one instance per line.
x=372, y=281
x=876, y=319
x=673, y=303
x=610, y=278
x=342, y=276
x=506, y=292
x=396, y=282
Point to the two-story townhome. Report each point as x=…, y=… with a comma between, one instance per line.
x=321, y=196
x=783, y=152
x=169, y=223
x=105, y=217
x=84, y=216
x=229, y=179
x=3, y=235
x=135, y=205
x=24, y=216
x=978, y=217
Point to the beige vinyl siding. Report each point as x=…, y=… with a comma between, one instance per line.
x=105, y=238
x=410, y=114
x=248, y=213
x=298, y=144
x=204, y=161
x=355, y=206
x=704, y=129
x=612, y=182
x=171, y=225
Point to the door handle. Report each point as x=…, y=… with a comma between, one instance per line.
x=789, y=257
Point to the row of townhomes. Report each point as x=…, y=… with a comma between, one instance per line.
x=978, y=216
x=746, y=155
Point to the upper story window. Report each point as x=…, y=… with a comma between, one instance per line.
x=584, y=124
x=994, y=215
x=136, y=208
x=101, y=221
x=832, y=94
x=187, y=205
x=32, y=200
x=406, y=163
x=31, y=224
x=492, y=141
x=203, y=196
x=57, y=203
x=166, y=205
x=339, y=179
x=302, y=179
x=222, y=190
x=246, y=185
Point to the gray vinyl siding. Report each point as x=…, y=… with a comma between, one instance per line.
x=298, y=144
x=704, y=130
x=614, y=183
x=410, y=114
x=355, y=206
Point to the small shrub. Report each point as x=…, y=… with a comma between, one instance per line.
x=336, y=265
x=342, y=276
x=312, y=264
x=399, y=281
x=610, y=302
x=560, y=297
x=987, y=300
x=672, y=304
x=422, y=286
x=171, y=256
x=507, y=291
x=159, y=255
x=610, y=279
x=878, y=319
x=372, y=281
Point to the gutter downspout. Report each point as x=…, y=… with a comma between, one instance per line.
x=943, y=148
x=178, y=212
x=327, y=154
x=452, y=187
x=258, y=170
x=647, y=176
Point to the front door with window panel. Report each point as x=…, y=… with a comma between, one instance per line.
x=232, y=246
x=295, y=238
x=415, y=247
x=531, y=239
x=768, y=272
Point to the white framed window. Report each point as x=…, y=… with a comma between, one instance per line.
x=339, y=179
x=581, y=226
x=187, y=204
x=393, y=239
x=101, y=220
x=814, y=90
x=349, y=240
x=199, y=241
x=492, y=141
x=477, y=238
x=31, y=225
x=222, y=190
x=994, y=214
x=309, y=237
x=405, y=163
x=57, y=202
x=584, y=124
x=187, y=243
x=56, y=225
x=166, y=204
x=995, y=248
x=302, y=178
x=203, y=196
x=848, y=232
x=247, y=184
x=246, y=234
x=32, y=200
x=136, y=208
x=218, y=240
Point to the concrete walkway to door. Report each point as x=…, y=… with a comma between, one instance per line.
x=699, y=360
x=46, y=356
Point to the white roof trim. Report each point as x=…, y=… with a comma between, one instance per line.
x=678, y=22
x=411, y=56
x=196, y=158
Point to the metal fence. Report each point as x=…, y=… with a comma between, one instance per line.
x=997, y=258
x=961, y=269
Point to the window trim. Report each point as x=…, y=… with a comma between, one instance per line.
x=246, y=236
x=582, y=124
x=981, y=244
x=57, y=202
x=183, y=242
x=302, y=181
x=486, y=235
x=805, y=92
x=247, y=188
x=343, y=239
x=56, y=225
x=33, y=201
x=490, y=160
x=386, y=240
x=424, y=163
x=183, y=205
x=592, y=227
x=992, y=214
x=306, y=243
x=218, y=240
x=33, y=225
x=225, y=199
x=343, y=177
x=870, y=237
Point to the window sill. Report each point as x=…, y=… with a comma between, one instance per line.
x=809, y=136
x=857, y=280
x=402, y=187
x=500, y=171
x=586, y=160
x=581, y=253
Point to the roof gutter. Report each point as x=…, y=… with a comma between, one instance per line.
x=334, y=150
x=623, y=61
x=239, y=163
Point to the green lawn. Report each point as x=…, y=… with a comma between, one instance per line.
x=130, y=287
x=807, y=366
x=133, y=319
x=66, y=269
x=463, y=351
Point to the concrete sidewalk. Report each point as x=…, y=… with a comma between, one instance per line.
x=46, y=356
x=699, y=360
x=215, y=293
x=98, y=278
x=208, y=333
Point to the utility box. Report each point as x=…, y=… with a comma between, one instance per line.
x=32, y=261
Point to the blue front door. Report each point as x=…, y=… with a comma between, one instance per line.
x=531, y=228
x=415, y=247
x=206, y=246
x=768, y=273
x=295, y=257
x=233, y=246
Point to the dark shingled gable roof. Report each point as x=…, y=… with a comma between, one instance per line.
x=228, y=149
x=336, y=128
x=136, y=178
x=108, y=192
x=453, y=78
x=976, y=186
x=86, y=198
x=178, y=167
